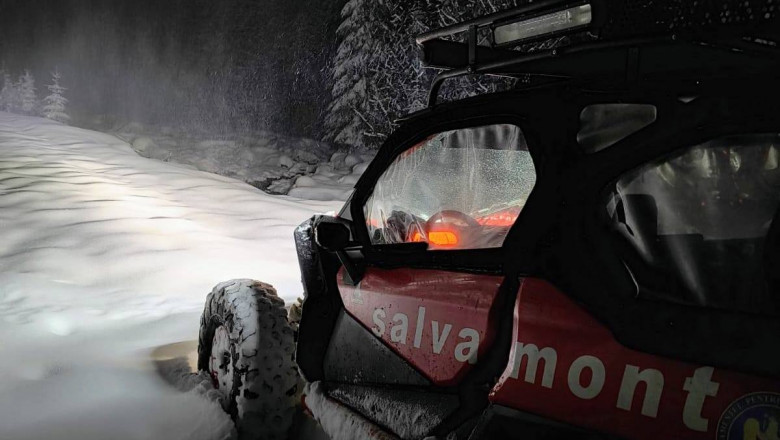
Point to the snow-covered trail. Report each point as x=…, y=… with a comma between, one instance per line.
x=105, y=255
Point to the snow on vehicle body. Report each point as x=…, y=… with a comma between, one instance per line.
x=592, y=255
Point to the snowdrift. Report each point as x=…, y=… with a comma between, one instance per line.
x=106, y=255
x=302, y=168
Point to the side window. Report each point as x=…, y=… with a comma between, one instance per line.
x=699, y=225
x=461, y=189
x=603, y=125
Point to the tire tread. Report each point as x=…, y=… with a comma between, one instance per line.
x=262, y=402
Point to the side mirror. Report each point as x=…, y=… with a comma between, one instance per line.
x=332, y=234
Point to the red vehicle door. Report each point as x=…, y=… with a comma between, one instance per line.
x=457, y=191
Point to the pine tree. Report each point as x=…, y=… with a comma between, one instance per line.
x=455, y=11
x=7, y=93
x=377, y=75
x=27, y=96
x=15, y=96
x=347, y=119
x=398, y=83
x=54, y=104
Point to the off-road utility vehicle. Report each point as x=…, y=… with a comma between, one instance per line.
x=594, y=254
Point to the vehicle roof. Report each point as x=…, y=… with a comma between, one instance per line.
x=631, y=41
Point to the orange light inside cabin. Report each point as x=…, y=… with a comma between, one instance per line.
x=439, y=238
x=501, y=218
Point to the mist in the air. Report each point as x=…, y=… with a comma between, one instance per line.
x=222, y=66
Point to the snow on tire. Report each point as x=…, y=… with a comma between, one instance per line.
x=246, y=346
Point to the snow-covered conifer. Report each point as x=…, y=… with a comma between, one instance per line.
x=54, y=104
x=454, y=11
x=347, y=119
x=16, y=96
x=7, y=93
x=399, y=82
x=376, y=74
x=27, y=96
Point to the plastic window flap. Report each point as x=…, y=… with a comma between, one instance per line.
x=704, y=216
x=460, y=189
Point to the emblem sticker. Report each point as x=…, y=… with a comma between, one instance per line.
x=754, y=416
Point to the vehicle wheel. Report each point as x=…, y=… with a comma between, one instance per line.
x=246, y=346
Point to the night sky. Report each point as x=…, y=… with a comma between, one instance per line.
x=220, y=65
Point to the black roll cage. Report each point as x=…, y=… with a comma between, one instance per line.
x=674, y=44
x=703, y=85
x=560, y=228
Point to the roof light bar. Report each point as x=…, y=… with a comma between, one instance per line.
x=547, y=24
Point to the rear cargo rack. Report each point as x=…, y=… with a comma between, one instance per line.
x=609, y=40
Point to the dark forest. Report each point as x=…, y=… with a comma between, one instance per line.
x=225, y=66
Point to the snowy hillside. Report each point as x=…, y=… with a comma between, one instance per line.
x=277, y=164
x=106, y=256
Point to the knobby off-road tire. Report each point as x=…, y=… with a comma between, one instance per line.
x=246, y=345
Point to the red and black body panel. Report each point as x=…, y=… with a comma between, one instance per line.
x=336, y=343
x=556, y=283
x=566, y=366
x=441, y=322
x=565, y=371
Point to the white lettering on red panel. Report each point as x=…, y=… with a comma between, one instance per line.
x=566, y=366
x=464, y=351
x=440, y=322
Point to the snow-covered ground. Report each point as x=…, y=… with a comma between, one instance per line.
x=107, y=256
x=276, y=164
